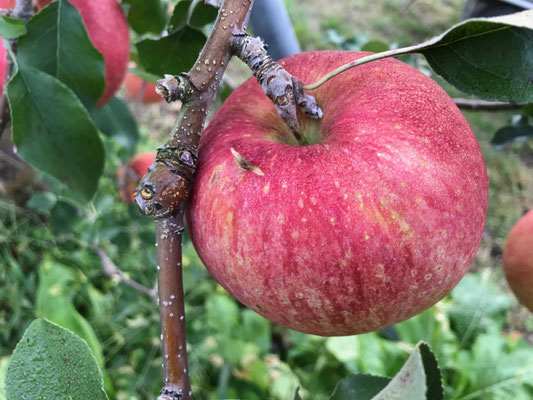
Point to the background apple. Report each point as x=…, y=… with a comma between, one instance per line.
x=518, y=260
x=108, y=29
x=133, y=86
x=373, y=223
x=129, y=175
x=7, y=4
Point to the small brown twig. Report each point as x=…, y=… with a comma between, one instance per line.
x=483, y=105
x=111, y=270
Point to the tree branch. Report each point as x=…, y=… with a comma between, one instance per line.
x=111, y=270
x=163, y=191
x=482, y=105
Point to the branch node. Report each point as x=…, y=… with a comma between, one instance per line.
x=175, y=87
x=285, y=90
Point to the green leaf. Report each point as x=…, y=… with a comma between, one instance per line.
x=203, y=14
x=4, y=362
x=419, y=376
x=58, y=44
x=489, y=58
x=42, y=202
x=360, y=387
x=116, y=120
x=50, y=362
x=222, y=313
x=147, y=16
x=180, y=16
x=172, y=54
x=53, y=131
x=512, y=134
x=486, y=57
x=54, y=301
x=11, y=28
x=375, y=46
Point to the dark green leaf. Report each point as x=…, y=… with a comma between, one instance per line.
x=180, y=16
x=414, y=379
x=360, y=387
x=203, y=14
x=147, y=16
x=433, y=374
x=53, y=131
x=172, y=54
x=50, y=362
x=297, y=395
x=489, y=58
x=58, y=44
x=512, y=134
x=11, y=28
x=116, y=120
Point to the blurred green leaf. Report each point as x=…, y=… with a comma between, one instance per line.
x=4, y=362
x=116, y=121
x=11, y=28
x=203, y=14
x=512, y=134
x=58, y=44
x=180, y=15
x=171, y=54
x=42, y=202
x=147, y=16
x=360, y=387
x=222, y=313
x=60, y=139
x=50, y=362
x=375, y=46
x=479, y=306
x=54, y=301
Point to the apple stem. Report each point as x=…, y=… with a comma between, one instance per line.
x=23, y=11
x=285, y=90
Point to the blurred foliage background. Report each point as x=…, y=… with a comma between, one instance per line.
x=49, y=266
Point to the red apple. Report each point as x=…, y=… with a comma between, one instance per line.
x=373, y=223
x=133, y=87
x=518, y=260
x=108, y=29
x=129, y=175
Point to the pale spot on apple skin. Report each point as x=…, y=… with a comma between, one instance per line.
x=459, y=209
x=413, y=273
x=229, y=217
x=299, y=295
x=249, y=231
x=344, y=263
x=444, y=234
x=336, y=183
x=239, y=260
x=266, y=188
x=418, y=201
x=348, y=254
x=284, y=186
x=304, y=219
x=294, y=234
x=367, y=237
x=345, y=196
x=438, y=268
x=356, y=139
x=403, y=184
x=332, y=220
x=286, y=301
x=307, y=255
x=300, y=203
x=440, y=251
x=313, y=201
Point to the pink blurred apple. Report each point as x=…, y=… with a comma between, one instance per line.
x=518, y=260
x=129, y=175
x=374, y=222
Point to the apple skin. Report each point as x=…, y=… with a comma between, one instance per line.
x=133, y=86
x=518, y=260
x=7, y=4
x=374, y=224
x=108, y=30
x=129, y=175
